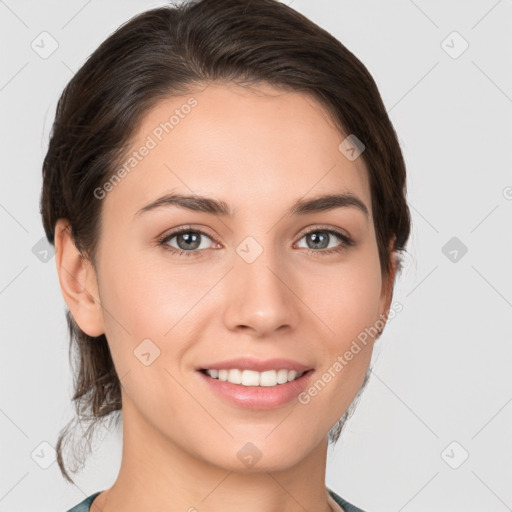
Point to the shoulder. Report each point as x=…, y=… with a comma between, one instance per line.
x=84, y=506
x=347, y=507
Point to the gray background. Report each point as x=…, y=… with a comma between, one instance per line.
x=442, y=366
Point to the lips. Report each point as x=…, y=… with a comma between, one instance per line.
x=270, y=394
x=249, y=363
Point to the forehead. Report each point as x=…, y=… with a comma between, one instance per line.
x=245, y=145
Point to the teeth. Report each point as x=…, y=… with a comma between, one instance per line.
x=253, y=378
x=249, y=378
x=235, y=376
x=282, y=376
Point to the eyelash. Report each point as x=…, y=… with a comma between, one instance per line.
x=346, y=241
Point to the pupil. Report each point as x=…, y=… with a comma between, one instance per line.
x=189, y=238
x=318, y=239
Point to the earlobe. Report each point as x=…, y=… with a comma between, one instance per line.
x=78, y=282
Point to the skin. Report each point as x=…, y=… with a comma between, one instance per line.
x=259, y=149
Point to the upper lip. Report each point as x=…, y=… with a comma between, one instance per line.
x=259, y=365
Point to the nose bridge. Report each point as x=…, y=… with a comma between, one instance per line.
x=261, y=298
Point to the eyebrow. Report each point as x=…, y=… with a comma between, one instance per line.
x=198, y=203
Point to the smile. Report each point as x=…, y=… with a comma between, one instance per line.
x=250, y=389
x=253, y=378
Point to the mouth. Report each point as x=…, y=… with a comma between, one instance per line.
x=251, y=389
x=268, y=378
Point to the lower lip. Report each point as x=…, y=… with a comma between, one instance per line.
x=258, y=397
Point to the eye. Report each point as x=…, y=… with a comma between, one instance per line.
x=319, y=240
x=189, y=241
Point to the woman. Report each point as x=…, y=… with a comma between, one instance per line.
x=226, y=196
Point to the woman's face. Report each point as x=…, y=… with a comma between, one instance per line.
x=261, y=283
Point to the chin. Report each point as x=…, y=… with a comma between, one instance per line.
x=256, y=455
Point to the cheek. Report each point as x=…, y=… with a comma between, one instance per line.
x=350, y=308
x=146, y=299
x=143, y=294
x=348, y=303
x=345, y=298
x=141, y=307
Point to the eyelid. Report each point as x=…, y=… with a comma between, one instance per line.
x=176, y=231
x=326, y=227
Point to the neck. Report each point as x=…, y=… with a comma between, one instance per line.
x=159, y=474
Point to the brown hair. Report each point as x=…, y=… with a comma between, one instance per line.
x=164, y=52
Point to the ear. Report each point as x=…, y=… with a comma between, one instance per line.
x=388, y=283
x=78, y=282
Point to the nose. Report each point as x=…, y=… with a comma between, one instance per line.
x=260, y=297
